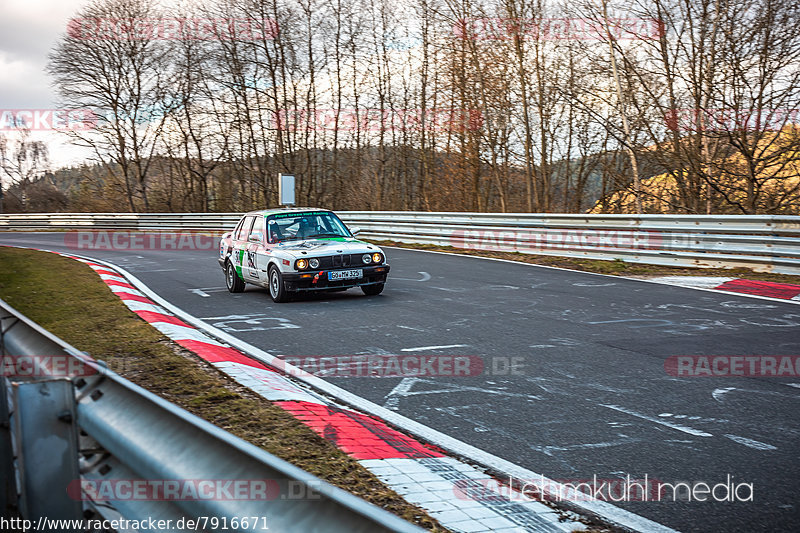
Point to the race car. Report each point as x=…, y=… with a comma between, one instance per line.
x=293, y=250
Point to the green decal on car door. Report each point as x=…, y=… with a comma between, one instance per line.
x=239, y=266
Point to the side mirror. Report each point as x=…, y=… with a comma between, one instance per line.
x=256, y=237
x=355, y=231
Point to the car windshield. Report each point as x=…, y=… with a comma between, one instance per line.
x=305, y=225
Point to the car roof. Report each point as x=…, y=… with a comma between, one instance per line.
x=277, y=210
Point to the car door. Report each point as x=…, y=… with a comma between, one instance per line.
x=239, y=255
x=256, y=256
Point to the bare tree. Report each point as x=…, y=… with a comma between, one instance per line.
x=326, y=91
x=108, y=64
x=22, y=160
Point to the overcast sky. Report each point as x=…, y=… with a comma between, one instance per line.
x=28, y=30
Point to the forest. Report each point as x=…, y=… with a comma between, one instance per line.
x=654, y=106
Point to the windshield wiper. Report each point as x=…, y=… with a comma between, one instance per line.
x=325, y=235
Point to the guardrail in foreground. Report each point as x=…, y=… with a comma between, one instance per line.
x=62, y=435
x=760, y=242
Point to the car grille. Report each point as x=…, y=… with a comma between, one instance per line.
x=340, y=261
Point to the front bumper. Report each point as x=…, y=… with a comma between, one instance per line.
x=317, y=280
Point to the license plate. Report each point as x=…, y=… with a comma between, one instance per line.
x=345, y=274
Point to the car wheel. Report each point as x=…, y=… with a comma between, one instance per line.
x=232, y=281
x=277, y=291
x=372, y=290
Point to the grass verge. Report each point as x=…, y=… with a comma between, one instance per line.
x=616, y=267
x=67, y=298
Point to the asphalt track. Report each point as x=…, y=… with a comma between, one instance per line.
x=589, y=396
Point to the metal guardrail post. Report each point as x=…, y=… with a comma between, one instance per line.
x=46, y=441
x=8, y=486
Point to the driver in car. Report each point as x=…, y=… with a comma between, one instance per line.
x=306, y=228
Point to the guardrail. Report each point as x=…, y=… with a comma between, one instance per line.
x=761, y=242
x=71, y=432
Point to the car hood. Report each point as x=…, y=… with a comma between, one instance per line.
x=326, y=246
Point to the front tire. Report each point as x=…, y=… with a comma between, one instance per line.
x=277, y=291
x=372, y=290
x=232, y=280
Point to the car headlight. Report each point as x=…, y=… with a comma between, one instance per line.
x=314, y=263
x=301, y=264
x=366, y=259
x=377, y=258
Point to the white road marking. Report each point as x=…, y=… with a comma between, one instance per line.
x=200, y=292
x=253, y=321
x=750, y=443
x=409, y=327
x=425, y=277
x=685, y=429
x=449, y=388
x=547, y=450
x=796, y=385
x=717, y=394
x=720, y=420
x=782, y=322
x=209, y=289
x=746, y=305
x=564, y=341
x=426, y=348
x=542, y=346
x=655, y=322
x=401, y=389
